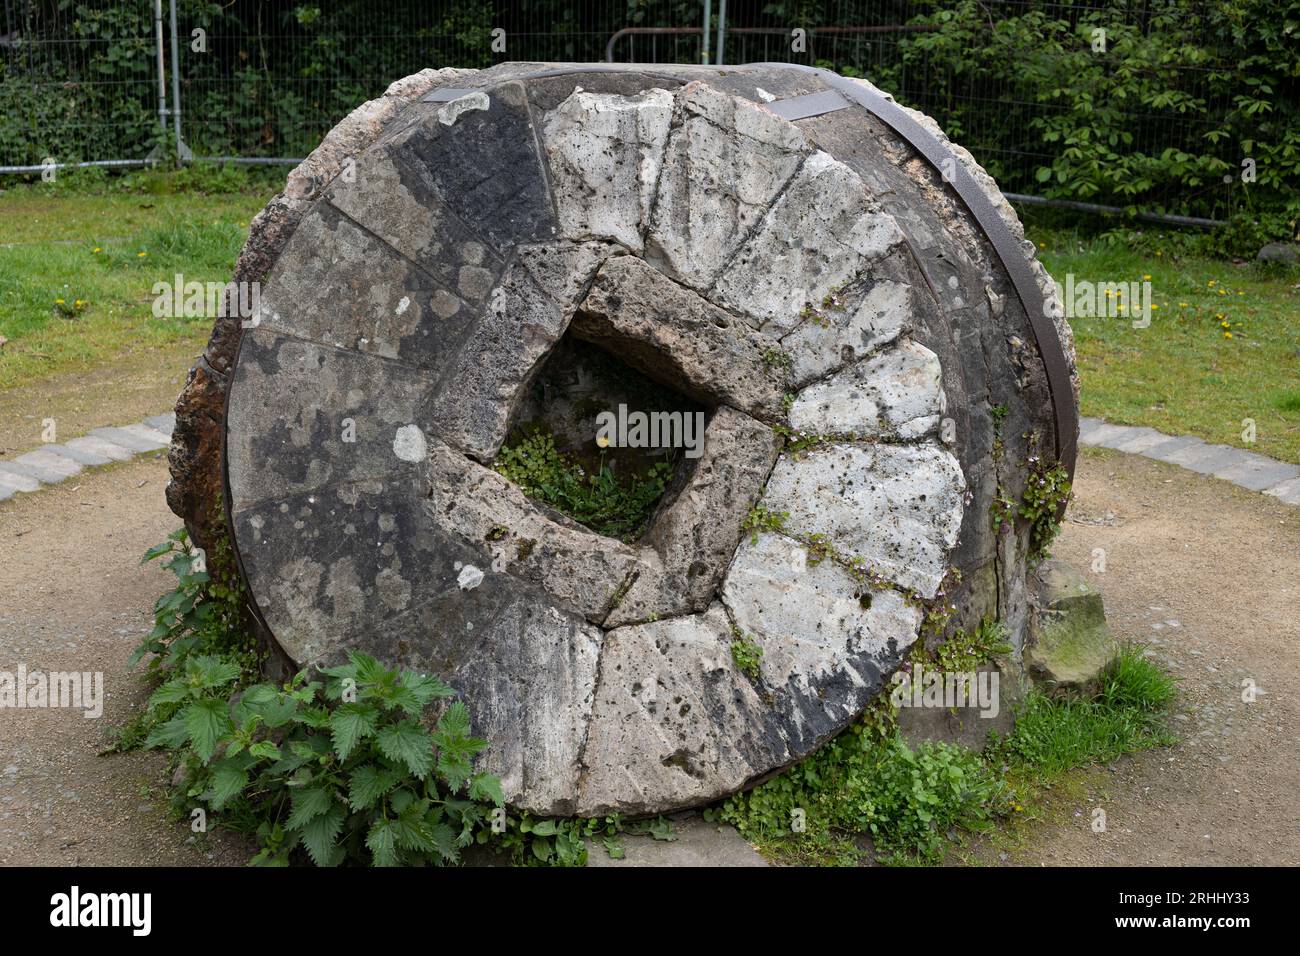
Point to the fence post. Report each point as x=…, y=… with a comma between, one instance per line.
x=708, y=15
x=722, y=31
x=162, y=79
x=183, y=152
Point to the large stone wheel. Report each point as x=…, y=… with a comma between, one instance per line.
x=800, y=272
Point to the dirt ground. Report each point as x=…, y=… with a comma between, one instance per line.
x=1203, y=572
x=73, y=596
x=1208, y=576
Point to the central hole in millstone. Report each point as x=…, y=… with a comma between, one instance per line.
x=600, y=442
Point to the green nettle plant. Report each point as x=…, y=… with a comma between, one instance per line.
x=342, y=768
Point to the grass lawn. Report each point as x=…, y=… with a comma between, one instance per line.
x=1223, y=344
x=101, y=250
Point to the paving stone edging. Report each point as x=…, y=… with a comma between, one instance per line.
x=52, y=463
x=1243, y=468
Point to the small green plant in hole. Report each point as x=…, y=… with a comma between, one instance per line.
x=746, y=652
x=600, y=499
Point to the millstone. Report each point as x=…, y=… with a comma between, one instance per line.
x=755, y=241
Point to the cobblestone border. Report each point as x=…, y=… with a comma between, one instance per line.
x=52, y=463
x=1242, y=468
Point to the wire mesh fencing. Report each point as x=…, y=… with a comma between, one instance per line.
x=263, y=80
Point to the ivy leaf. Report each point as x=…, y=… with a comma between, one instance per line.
x=206, y=721
x=308, y=803
x=382, y=841
x=349, y=724
x=320, y=835
x=408, y=743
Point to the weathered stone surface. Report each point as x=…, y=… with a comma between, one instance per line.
x=1070, y=643
x=897, y=507
x=724, y=165
x=580, y=569
x=337, y=284
x=694, y=539
x=674, y=721
x=304, y=415
x=847, y=335
x=816, y=238
x=671, y=333
x=827, y=638
x=605, y=153
x=425, y=277
x=897, y=394
x=520, y=325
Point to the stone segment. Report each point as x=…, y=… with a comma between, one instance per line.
x=1258, y=473
x=674, y=721
x=1210, y=459
x=724, y=165
x=693, y=540
x=1138, y=440
x=296, y=406
x=605, y=152
x=673, y=335
x=149, y=434
x=519, y=328
x=897, y=394
x=17, y=480
x=79, y=455
x=37, y=473
x=818, y=236
x=898, y=507
x=1173, y=446
x=1287, y=491
x=337, y=284
x=400, y=206
x=578, y=568
x=162, y=423
x=883, y=313
x=486, y=166
x=826, y=637
x=47, y=460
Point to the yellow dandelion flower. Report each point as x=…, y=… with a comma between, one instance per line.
x=1227, y=335
x=97, y=249
x=141, y=255
x=58, y=302
x=1148, y=278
